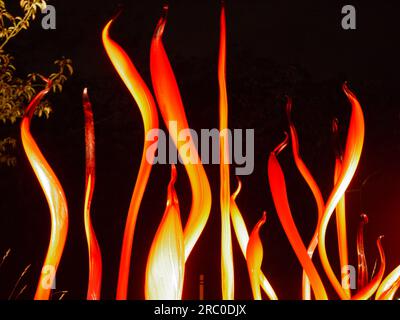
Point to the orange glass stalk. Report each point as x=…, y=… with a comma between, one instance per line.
x=145, y=101
x=166, y=263
x=254, y=257
x=366, y=292
x=389, y=286
x=95, y=262
x=55, y=197
x=242, y=235
x=362, y=267
x=341, y=212
x=390, y=293
x=172, y=110
x=227, y=269
x=312, y=184
x=351, y=157
x=279, y=195
x=239, y=226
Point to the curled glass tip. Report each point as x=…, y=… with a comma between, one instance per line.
x=239, y=187
x=282, y=145
x=118, y=11
x=161, y=23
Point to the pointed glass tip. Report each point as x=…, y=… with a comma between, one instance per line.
x=335, y=125
x=165, y=8
x=288, y=108
x=264, y=217
x=85, y=97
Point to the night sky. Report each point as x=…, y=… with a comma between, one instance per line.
x=274, y=48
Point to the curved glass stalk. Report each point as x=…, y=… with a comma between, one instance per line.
x=312, y=184
x=242, y=235
x=166, y=263
x=389, y=286
x=55, y=197
x=254, y=257
x=362, y=267
x=351, y=157
x=239, y=226
x=172, y=110
x=370, y=288
x=340, y=211
x=144, y=99
x=279, y=195
x=95, y=262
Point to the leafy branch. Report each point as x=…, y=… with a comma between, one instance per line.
x=16, y=92
x=5, y=156
x=17, y=23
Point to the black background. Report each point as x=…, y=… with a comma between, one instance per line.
x=273, y=48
